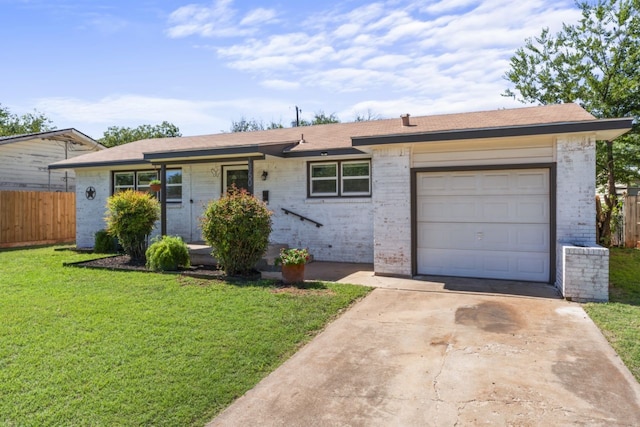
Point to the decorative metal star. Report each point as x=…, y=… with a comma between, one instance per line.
x=90, y=193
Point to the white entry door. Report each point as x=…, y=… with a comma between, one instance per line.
x=486, y=224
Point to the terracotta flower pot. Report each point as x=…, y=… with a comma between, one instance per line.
x=155, y=187
x=292, y=274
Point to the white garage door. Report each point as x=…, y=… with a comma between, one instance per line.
x=491, y=224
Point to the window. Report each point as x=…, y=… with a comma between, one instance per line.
x=139, y=180
x=340, y=178
x=123, y=181
x=237, y=175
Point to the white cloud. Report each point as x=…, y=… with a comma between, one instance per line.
x=444, y=55
x=280, y=84
x=258, y=16
x=216, y=20
x=192, y=117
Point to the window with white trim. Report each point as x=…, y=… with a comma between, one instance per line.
x=340, y=178
x=139, y=180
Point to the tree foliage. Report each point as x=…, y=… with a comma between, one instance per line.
x=367, y=116
x=116, y=135
x=594, y=63
x=319, y=118
x=237, y=227
x=249, y=125
x=13, y=124
x=130, y=217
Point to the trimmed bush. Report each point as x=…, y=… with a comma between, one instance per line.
x=237, y=227
x=131, y=216
x=167, y=254
x=104, y=243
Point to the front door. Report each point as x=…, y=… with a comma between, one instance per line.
x=237, y=175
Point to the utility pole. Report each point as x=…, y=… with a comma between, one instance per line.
x=298, y=116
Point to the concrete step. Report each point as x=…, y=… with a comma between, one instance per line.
x=200, y=254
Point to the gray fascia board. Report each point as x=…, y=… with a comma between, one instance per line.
x=327, y=152
x=498, y=132
x=98, y=164
x=162, y=155
x=258, y=149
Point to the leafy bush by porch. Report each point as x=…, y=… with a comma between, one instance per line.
x=81, y=347
x=237, y=227
x=167, y=254
x=130, y=217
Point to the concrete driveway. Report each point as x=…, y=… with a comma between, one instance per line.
x=417, y=353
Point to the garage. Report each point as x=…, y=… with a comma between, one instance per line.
x=484, y=223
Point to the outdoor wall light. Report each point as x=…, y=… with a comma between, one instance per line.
x=265, y=174
x=323, y=153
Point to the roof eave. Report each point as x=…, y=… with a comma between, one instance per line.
x=604, y=127
x=65, y=165
x=276, y=149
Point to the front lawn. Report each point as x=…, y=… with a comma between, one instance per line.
x=619, y=319
x=94, y=347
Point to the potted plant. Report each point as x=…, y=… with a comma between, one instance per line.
x=292, y=262
x=154, y=184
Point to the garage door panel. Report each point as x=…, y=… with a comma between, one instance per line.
x=494, y=265
x=514, y=209
x=490, y=237
x=513, y=182
x=493, y=224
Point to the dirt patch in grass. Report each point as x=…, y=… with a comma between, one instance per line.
x=302, y=290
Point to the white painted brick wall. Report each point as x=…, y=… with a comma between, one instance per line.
x=346, y=234
x=585, y=273
x=392, y=211
x=347, y=231
x=90, y=213
x=582, y=271
x=576, y=189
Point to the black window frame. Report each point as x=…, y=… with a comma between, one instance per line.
x=339, y=179
x=145, y=189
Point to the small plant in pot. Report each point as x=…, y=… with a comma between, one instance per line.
x=155, y=184
x=292, y=262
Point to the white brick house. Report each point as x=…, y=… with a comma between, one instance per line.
x=505, y=194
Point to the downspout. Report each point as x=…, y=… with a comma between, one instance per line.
x=163, y=199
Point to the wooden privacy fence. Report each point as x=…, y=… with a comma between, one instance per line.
x=632, y=221
x=36, y=218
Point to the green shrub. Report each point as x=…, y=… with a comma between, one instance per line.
x=167, y=254
x=130, y=217
x=237, y=227
x=104, y=243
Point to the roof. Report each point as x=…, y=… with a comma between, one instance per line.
x=344, y=138
x=66, y=135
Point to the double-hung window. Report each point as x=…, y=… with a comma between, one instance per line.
x=340, y=178
x=139, y=180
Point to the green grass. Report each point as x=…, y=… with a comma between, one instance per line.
x=94, y=347
x=619, y=319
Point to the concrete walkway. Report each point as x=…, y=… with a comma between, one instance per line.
x=441, y=353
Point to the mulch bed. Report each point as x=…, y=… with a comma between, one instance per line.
x=124, y=262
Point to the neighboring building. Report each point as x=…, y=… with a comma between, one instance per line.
x=505, y=194
x=24, y=159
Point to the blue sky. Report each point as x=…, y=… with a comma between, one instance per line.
x=91, y=64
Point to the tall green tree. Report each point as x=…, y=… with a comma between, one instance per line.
x=116, y=135
x=594, y=63
x=13, y=124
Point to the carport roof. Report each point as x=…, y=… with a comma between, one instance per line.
x=343, y=138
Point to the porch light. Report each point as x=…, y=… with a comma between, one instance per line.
x=264, y=175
